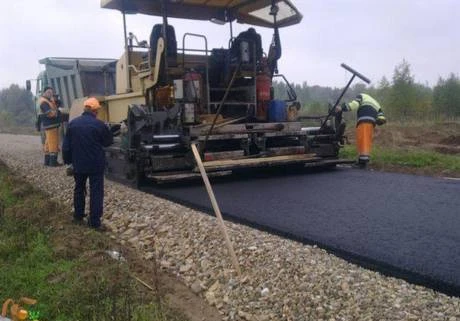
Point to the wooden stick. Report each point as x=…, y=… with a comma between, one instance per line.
x=229, y=122
x=216, y=208
x=142, y=282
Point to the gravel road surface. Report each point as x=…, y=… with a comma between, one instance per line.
x=282, y=279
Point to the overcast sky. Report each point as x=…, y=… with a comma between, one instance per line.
x=372, y=36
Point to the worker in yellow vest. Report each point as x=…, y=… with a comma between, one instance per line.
x=369, y=114
x=50, y=120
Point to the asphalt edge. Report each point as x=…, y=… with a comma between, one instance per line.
x=362, y=261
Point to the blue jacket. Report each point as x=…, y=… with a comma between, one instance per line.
x=83, y=144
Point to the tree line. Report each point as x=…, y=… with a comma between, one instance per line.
x=16, y=107
x=401, y=98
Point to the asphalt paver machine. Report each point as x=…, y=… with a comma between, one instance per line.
x=169, y=96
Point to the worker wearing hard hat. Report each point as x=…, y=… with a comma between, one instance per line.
x=369, y=114
x=83, y=148
x=50, y=122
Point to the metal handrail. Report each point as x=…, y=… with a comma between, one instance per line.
x=196, y=50
x=207, y=63
x=290, y=91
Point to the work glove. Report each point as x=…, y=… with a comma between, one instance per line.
x=69, y=170
x=115, y=129
x=380, y=120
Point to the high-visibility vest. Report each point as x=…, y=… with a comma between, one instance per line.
x=363, y=100
x=50, y=115
x=368, y=109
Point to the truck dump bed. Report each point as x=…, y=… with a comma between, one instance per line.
x=74, y=78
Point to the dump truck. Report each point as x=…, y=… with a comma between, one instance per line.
x=75, y=78
x=169, y=96
x=72, y=79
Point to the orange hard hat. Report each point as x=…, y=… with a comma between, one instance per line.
x=22, y=314
x=92, y=103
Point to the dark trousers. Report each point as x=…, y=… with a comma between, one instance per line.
x=96, y=197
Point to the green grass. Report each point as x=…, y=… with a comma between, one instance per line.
x=71, y=281
x=6, y=197
x=24, y=270
x=431, y=162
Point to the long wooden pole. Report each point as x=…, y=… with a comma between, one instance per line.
x=216, y=208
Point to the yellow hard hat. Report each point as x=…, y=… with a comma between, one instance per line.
x=92, y=103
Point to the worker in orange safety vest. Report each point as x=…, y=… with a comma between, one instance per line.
x=50, y=120
x=369, y=114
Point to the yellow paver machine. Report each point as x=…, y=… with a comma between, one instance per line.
x=169, y=96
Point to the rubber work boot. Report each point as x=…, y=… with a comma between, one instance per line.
x=360, y=165
x=78, y=220
x=100, y=228
x=47, y=160
x=363, y=164
x=53, y=161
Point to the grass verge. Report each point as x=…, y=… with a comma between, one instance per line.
x=410, y=160
x=65, y=267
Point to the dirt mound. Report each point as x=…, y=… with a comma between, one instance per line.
x=432, y=136
x=447, y=149
x=453, y=140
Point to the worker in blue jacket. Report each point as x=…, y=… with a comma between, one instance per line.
x=83, y=148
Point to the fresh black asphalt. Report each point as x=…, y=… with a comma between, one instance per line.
x=402, y=225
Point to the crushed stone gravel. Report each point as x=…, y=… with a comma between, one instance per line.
x=282, y=279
